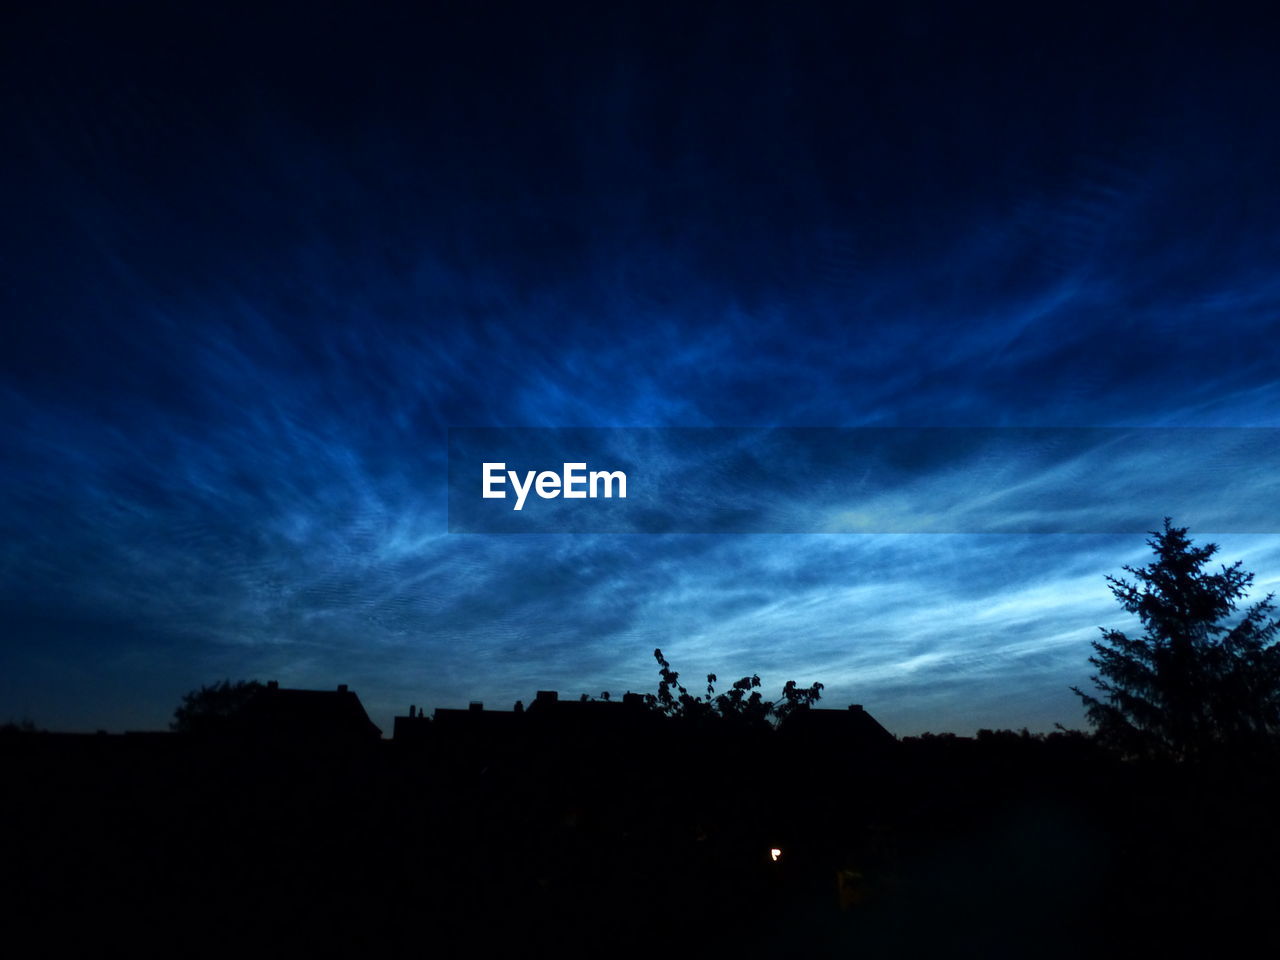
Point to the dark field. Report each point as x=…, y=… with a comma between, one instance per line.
x=1000, y=846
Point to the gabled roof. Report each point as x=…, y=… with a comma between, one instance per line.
x=853, y=725
x=309, y=714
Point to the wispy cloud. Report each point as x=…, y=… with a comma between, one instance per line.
x=241, y=324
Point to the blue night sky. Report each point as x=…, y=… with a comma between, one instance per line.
x=256, y=264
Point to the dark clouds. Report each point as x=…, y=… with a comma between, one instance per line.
x=258, y=263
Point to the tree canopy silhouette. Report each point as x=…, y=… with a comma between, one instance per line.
x=741, y=704
x=1192, y=683
x=213, y=708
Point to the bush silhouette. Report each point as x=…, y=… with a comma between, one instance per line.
x=213, y=708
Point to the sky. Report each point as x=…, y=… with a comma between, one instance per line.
x=258, y=259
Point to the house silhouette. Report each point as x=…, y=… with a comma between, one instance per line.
x=277, y=713
x=550, y=717
x=853, y=726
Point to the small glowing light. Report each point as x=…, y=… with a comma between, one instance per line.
x=775, y=854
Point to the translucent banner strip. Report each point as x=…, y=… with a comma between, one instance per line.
x=863, y=480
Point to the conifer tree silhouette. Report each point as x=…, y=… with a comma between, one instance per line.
x=1192, y=682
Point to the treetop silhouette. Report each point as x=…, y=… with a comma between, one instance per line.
x=1192, y=683
x=213, y=708
x=742, y=703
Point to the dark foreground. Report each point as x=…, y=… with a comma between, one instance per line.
x=996, y=847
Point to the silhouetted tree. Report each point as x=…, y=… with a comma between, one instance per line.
x=796, y=697
x=214, y=707
x=673, y=698
x=742, y=703
x=1191, y=682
